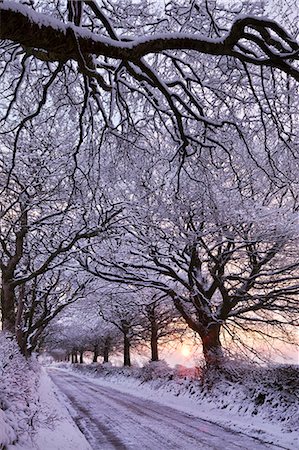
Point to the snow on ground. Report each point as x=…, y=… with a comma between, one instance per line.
x=56, y=430
x=31, y=417
x=262, y=403
x=111, y=419
x=19, y=380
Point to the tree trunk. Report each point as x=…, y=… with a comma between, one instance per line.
x=8, y=305
x=81, y=357
x=106, y=351
x=127, y=359
x=20, y=334
x=8, y=300
x=95, y=354
x=209, y=333
x=211, y=346
x=76, y=357
x=154, y=340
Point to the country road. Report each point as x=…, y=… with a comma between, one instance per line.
x=110, y=419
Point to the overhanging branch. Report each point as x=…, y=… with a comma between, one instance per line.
x=39, y=33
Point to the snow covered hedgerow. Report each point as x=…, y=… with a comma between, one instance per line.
x=270, y=393
x=240, y=389
x=154, y=370
x=102, y=370
x=275, y=392
x=19, y=379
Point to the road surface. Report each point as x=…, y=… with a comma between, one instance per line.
x=110, y=419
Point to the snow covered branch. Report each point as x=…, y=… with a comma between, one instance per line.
x=53, y=40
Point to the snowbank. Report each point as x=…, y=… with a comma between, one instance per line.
x=19, y=379
x=31, y=417
x=56, y=429
x=259, y=401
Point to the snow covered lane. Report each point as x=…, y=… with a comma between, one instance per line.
x=111, y=419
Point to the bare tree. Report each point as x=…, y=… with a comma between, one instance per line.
x=44, y=214
x=190, y=58
x=161, y=324
x=79, y=328
x=194, y=93
x=122, y=307
x=45, y=297
x=222, y=258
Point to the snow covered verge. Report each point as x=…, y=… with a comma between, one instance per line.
x=57, y=429
x=31, y=417
x=259, y=401
x=19, y=380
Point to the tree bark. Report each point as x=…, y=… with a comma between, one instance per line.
x=8, y=297
x=95, y=354
x=19, y=330
x=106, y=351
x=209, y=332
x=154, y=340
x=211, y=345
x=8, y=305
x=127, y=357
x=81, y=356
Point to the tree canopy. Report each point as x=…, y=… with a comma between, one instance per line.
x=153, y=145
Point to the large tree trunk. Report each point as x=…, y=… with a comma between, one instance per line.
x=8, y=299
x=127, y=358
x=19, y=329
x=154, y=340
x=211, y=345
x=209, y=332
x=8, y=305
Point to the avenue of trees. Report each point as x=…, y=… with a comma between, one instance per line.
x=121, y=320
x=148, y=173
